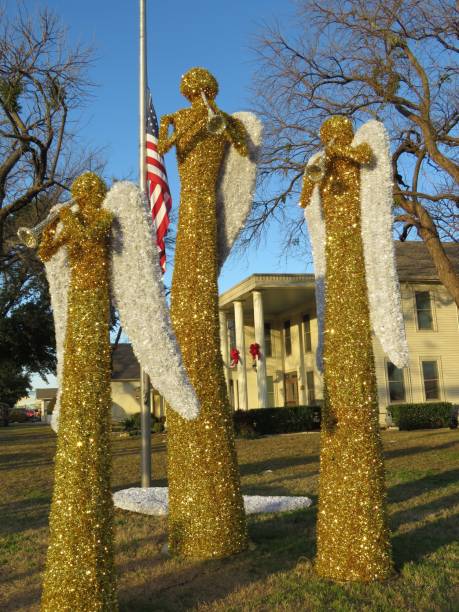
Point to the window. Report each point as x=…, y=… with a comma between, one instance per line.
x=287, y=338
x=268, y=342
x=396, y=383
x=307, y=333
x=424, y=310
x=232, y=334
x=310, y=387
x=270, y=391
x=431, y=381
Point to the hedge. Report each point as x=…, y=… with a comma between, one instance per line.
x=132, y=424
x=429, y=415
x=261, y=421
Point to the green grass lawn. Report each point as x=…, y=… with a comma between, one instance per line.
x=277, y=573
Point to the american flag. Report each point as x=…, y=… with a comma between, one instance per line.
x=158, y=189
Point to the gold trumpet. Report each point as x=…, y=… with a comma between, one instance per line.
x=216, y=122
x=317, y=170
x=30, y=236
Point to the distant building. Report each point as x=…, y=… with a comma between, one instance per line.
x=46, y=398
x=283, y=308
x=125, y=386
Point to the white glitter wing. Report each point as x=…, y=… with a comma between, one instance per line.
x=382, y=280
x=140, y=298
x=155, y=502
x=316, y=228
x=58, y=275
x=236, y=187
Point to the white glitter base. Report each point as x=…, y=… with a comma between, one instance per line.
x=154, y=501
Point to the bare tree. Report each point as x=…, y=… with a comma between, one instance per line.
x=394, y=60
x=42, y=82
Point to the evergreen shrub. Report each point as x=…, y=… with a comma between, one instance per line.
x=132, y=423
x=262, y=421
x=427, y=415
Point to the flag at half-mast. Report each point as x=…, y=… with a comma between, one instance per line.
x=159, y=196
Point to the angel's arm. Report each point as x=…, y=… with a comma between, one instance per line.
x=306, y=191
x=72, y=226
x=236, y=134
x=100, y=226
x=50, y=243
x=361, y=154
x=165, y=142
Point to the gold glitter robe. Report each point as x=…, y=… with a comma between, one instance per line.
x=353, y=539
x=206, y=513
x=79, y=569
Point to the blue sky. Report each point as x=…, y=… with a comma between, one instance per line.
x=180, y=34
x=213, y=34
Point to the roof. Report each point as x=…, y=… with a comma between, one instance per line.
x=292, y=286
x=414, y=262
x=125, y=365
x=46, y=393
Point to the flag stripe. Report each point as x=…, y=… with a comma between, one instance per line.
x=153, y=154
x=160, y=200
x=153, y=168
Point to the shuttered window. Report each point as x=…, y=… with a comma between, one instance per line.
x=431, y=380
x=287, y=338
x=307, y=333
x=268, y=342
x=396, y=383
x=424, y=310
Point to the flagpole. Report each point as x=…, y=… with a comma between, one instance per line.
x=145, y=396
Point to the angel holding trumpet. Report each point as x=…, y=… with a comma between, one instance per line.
x=347, y=196
x=216, y=162
x=98, y=247
x=79, y=568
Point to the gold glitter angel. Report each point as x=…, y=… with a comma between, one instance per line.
x=206, y=512
x=79, y=569
x=348, y=194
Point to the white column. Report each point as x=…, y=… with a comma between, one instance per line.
x=224, y=345
x=240, y=344
x=259, y=321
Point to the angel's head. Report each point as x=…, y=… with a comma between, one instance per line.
x=196, y=80
x=88, y=191
x=337, y=130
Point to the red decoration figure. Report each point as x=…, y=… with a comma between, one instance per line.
x=235, y=357
x=254, y=350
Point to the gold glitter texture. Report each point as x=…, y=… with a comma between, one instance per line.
x=79, y=569
x=353, y=538
x=206, y=513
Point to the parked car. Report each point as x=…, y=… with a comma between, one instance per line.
x=18, y=415
x=23, y=415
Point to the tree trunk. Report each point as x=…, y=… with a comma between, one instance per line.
x=446, y=272
x=420, y=218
